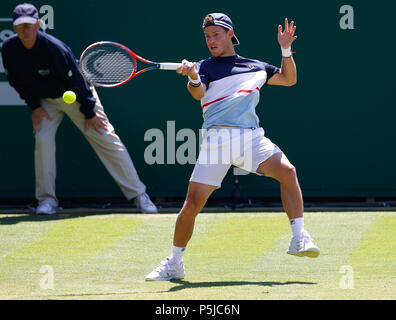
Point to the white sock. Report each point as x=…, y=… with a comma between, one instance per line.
x=177, y=253
x=297, y=226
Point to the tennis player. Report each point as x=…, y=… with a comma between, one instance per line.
x=228, y=87
x=40, y=68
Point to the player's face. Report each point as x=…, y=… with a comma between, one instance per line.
x=219, y=41
x=27, y=33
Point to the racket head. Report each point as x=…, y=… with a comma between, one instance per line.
x=107, y=64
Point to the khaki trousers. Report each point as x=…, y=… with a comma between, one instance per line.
x=108, y=147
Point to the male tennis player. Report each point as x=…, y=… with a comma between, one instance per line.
x=40, y=68
x=228, y=87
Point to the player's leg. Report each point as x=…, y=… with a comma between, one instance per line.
x=214, y=161
x=279, y=168
x=209, y=172
x=44, y=159
x=114, y=156
x=262, y=156
x=173, y=267
x=197, y=196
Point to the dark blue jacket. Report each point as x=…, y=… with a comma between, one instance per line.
x=45, y=71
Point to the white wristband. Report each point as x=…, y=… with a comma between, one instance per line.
x=286, y=53
x=193, y=82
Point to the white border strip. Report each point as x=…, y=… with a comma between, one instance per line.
x=223, y=24
x=8, y=96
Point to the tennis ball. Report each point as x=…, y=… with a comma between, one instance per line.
x=69, y=97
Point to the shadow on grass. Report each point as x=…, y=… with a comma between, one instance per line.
x=208, y=284
x=15, y=218
x=182, y=284
x=31, y=217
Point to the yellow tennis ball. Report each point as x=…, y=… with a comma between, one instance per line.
x=69, y=97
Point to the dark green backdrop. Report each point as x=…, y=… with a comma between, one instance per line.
x=336, y=125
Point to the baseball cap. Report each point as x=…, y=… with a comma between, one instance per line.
x=25, y=13
x=222, y=20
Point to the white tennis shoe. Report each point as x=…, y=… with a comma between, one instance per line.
x=45, y=208
x=168, y=270
x=144, y=203
x=303, y=246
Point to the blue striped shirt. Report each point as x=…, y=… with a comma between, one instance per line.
x=233, y=90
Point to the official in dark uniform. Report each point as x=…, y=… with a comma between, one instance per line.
x=41, y=68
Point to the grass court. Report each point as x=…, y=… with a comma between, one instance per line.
x=232, y=256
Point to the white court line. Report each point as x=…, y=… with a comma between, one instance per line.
x=5, y=19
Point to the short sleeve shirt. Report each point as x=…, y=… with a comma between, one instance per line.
x=233, y=90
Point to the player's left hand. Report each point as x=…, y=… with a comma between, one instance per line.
x=98, y=123
x=286, y=37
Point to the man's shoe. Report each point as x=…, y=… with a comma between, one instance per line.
x=144, y=203
x=45, y=208
x=168, y=270
x=303, y=246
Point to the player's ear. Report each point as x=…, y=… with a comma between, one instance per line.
x=230, y=33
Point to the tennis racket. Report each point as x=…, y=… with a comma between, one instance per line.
x=110, y=64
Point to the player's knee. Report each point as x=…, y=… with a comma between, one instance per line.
x=191, y=207
x=289, y=174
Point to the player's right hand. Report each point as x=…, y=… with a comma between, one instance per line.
x=187, y=68
x=37, y=116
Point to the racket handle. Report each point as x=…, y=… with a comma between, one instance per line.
x=169, y=65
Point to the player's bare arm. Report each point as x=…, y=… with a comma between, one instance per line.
x=288, y=74
x=197, y=89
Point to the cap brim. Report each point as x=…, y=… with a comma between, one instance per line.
x=22, y=20
x=235, y=40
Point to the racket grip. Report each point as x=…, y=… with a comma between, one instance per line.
x=169, y=66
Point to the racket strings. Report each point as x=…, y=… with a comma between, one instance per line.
x=107, y=65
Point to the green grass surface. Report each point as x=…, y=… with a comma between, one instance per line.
x=231, y=256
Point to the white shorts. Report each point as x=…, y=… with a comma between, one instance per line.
x=223, y=147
